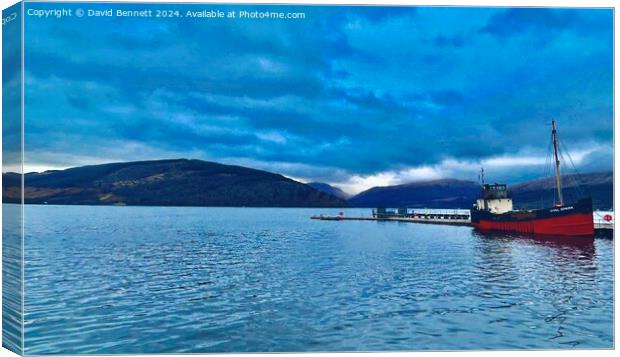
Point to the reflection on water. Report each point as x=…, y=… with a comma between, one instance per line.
x=551, y=279
x=149, y=279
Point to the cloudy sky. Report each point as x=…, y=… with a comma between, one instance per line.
x=353, y=96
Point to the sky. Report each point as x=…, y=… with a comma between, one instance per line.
x=11, y=89
x=353, y=96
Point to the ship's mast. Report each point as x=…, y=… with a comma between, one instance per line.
x=558, y=180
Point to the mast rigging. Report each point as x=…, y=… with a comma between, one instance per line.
x=558, y=179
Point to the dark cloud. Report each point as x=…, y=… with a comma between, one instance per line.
x=380, y=13
x=542, y=20
x=455, y=41
x=347, y=91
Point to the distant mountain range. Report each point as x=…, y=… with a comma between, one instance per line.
x=540, y=193
x=184, y=182
x=449, y=193
x=446, y=193
x=327, y=188
x=166, y=183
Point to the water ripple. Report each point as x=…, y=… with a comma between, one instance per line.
x=147, y=279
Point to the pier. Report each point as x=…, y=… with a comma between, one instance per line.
x=456, y=217
x=427, y=220
x=603, y=220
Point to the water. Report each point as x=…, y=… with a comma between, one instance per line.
x=11, y=278
x=157, y=279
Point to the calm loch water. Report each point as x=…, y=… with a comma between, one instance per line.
x=157, y=279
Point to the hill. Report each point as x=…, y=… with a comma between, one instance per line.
x=329, y=189
x=445, y=193
x=166, y=183
x=540, y=193
x=450, y=193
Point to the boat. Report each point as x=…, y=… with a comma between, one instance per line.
x=494, y=210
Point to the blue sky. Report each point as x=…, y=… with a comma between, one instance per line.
x=353, y=96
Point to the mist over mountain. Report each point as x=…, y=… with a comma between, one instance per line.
x=450, y=193
x=444, y=193
x=183, y=182
x=329, y=189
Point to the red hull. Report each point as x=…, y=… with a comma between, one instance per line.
x=577, y=224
